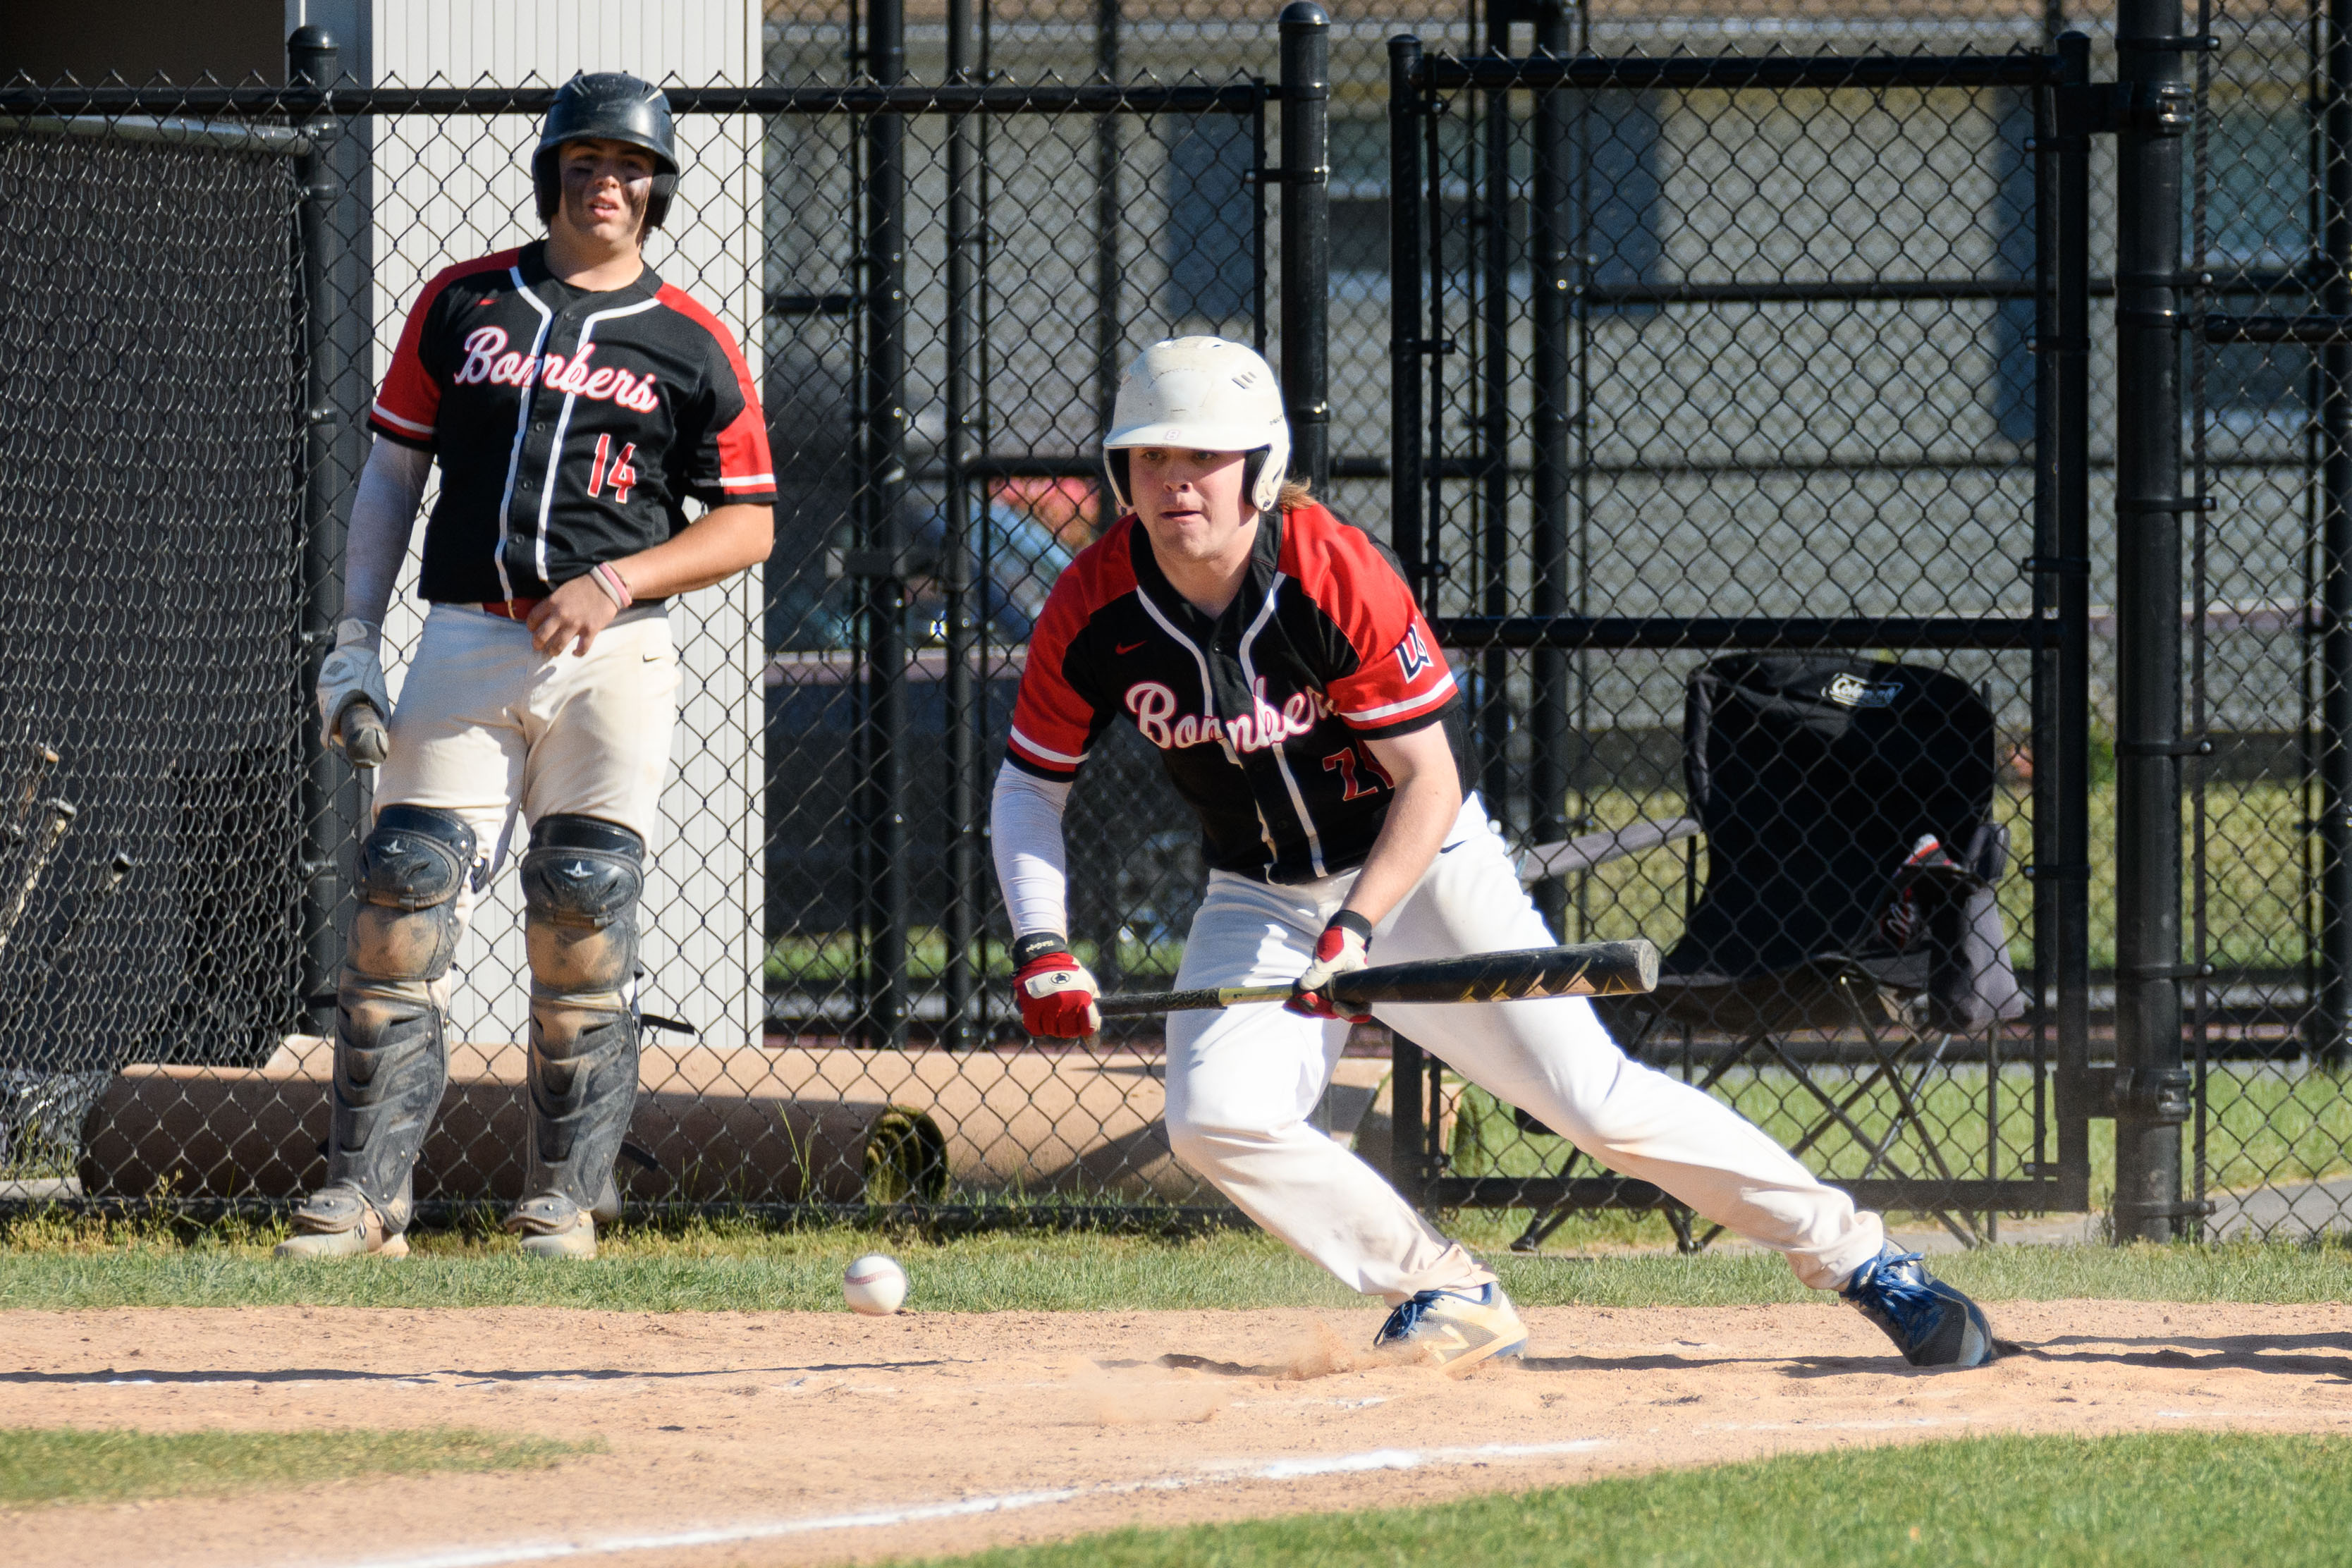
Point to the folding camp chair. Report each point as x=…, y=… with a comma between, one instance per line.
x=1851, y=862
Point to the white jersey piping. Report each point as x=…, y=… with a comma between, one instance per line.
x=522, y=425
x=1443, y=688
x=1209, y=710
x=1281, y=759
x=563, y=421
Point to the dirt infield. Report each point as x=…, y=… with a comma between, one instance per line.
x=794, y=1438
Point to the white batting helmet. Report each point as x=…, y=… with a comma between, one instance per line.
x=1205, y=395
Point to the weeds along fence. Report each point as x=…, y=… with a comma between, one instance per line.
x=1644, y=370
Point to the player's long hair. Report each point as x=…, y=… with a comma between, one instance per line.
x=1296, y=493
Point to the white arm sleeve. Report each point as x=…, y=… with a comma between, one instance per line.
x=1024, y=819
x=381, y=516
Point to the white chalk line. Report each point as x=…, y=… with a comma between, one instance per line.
x=1217, y=1473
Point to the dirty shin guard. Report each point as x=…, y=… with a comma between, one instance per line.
x=580, y=882
x=391, y=1056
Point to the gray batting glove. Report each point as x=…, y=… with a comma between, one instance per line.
x=353, y=673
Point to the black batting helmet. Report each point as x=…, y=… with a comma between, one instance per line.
x=609, y=106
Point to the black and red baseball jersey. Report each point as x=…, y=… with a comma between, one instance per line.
x=1258, y=713
x=569, y=425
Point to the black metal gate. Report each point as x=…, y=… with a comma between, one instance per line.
x=2267, y=613
x=1702, y=357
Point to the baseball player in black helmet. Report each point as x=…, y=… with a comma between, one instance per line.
x=575, y=402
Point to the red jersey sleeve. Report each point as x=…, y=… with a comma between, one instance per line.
x=1399, y=681
x=729, y=463
x=1053, y=723
x=408, y=404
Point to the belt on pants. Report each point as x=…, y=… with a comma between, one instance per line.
x=511, y=609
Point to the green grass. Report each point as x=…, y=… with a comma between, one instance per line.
x=57, y=1262
x=2255, y=855
x=2164, y=1500
x=2269, y=1125
x=66, y=1464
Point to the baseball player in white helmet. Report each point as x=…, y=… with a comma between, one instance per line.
x=1276, y=657
x=574, y=402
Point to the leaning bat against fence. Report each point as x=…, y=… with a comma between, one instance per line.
x=1581, y=969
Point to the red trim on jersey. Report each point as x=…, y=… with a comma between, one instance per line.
x=1400, y=673
x=408, y=404
x=1051, y=724
x=744, y=463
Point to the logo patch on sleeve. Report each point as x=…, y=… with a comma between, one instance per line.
x=1413, y=654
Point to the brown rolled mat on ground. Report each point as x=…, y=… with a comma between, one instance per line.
x=214, y=1132
x=833, y=1124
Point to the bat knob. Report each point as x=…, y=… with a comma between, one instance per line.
x=365, y=740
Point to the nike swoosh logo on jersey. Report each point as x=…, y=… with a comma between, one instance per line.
x=1131, y=646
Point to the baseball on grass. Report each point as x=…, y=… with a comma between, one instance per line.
x=873, y=1285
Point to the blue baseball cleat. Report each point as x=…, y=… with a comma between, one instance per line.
x=1929, y=1321
x=1455, y=1329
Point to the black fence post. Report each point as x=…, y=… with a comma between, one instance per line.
x=1407, y=1069
x=1550, y=266
x=963, y=926
x=330, y=795
x=2329, y=1027
x=1406, y=527
x=885, y=566
x=1307, y=238
x=2151, y=1086
x=2062, y=776
x=1494, y=547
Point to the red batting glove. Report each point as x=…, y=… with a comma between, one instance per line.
x=1057, y=994
x=1342, y=948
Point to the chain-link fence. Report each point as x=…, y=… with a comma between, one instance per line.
x=937, y=326
x=2269, y=669
x=1734, y=477
x=1732, y=436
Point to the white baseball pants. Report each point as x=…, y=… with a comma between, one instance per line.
x=486, y=725
x=1242, y=1083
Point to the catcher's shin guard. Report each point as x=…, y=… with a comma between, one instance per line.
x=391, y=1058
x=580, y=882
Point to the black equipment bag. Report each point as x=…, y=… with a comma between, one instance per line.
x=1848, y=811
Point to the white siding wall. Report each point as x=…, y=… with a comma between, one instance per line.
x=447, y=190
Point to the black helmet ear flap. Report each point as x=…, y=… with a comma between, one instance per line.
x=1116, y=464
x=547, y=186
x=1252, y=466
x=657, y=204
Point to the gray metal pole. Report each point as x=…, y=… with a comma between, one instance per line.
x=2152, y=1086
x=884, y=486
x=2329, y=1027
x=1549, y=268
x=1307, y=238
x=966, y=895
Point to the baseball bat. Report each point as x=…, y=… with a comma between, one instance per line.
x=1580, y=969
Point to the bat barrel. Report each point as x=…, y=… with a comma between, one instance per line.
x=1582, y=969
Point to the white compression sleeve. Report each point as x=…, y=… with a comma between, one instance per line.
x=383, y=512
x=1024, y=819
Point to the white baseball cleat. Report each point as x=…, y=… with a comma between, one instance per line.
x=553, y=1225
x=337, y=1222
x=1455, y=1329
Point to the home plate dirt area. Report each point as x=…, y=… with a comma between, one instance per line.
x=800, y=1437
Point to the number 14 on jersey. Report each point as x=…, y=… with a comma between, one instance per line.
x=605, y=469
